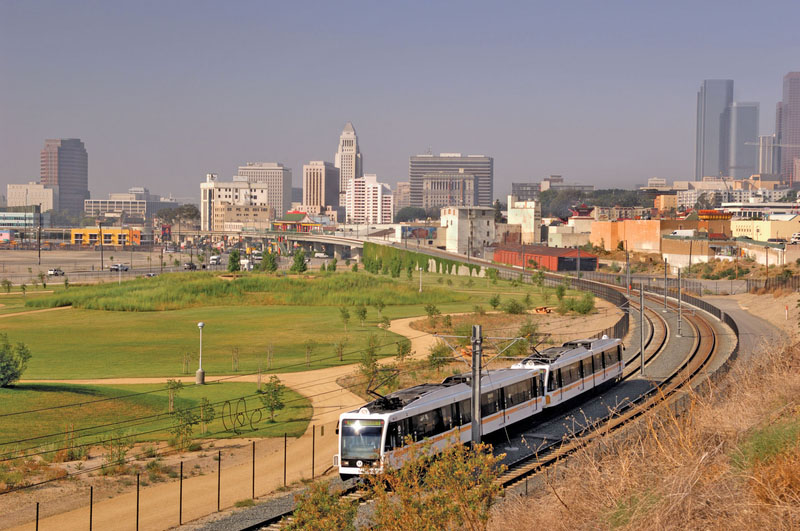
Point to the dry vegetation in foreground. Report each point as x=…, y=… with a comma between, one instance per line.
x=732, y=460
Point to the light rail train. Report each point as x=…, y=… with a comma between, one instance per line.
x=375, y=435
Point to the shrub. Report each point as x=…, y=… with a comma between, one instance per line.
x=494, y=301
x=514, y=307
x=13, y=361
x=299, y=263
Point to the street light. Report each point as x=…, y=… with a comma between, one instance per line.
x=200, y=375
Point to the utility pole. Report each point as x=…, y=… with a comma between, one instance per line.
x=680, y=306
x=627, y=270
x=641, y=325
x=100, y=224
x=420, y=279
x=665, y=285
x=477, y=351
x=39, y=235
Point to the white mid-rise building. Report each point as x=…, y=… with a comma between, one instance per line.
x=276, y=177
x=33, y=193
x=528, y=215
x=368, y=201
x=214, y=194
x=469, y=229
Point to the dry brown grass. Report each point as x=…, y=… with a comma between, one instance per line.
x=732, y=460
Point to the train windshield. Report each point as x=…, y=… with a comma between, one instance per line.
x=361, y=438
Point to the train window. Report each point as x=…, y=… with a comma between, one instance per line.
x=608, y=357
x=518, y=393
x=393, y=438
x=490, y=403
x=426, y=424
x=447, y=416
x=533, y=383
x=465, y=411
x=599, y=362
x=619, y=353
x=541, y=384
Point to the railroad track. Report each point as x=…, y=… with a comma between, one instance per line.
x=687, y=373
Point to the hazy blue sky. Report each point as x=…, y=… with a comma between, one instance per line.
x=603, y=92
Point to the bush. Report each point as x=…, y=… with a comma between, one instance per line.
x=514, y=307
x=13, y=361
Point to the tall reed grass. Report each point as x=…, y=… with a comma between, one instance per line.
x=177, y=291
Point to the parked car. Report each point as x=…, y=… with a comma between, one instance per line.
x=151, y=275
x=191, y=266
x=55, y=272
x=215, y=260
x=118, y=267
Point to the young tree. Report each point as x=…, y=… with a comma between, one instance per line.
x=207, y=414
x=361, y=313
x=24, y=289
x=322, y=267
x=309, y=345
x=269, y=263
x=13, y=361
x=403, y=349
x=299, y=263
x=379, y=305
x=43, y=279
x=369, y=359
x=385, y=323
x=272, y=396
x=494, y=301
x=433, y=312
x=332, y=265
x=439, y=355
x=233, y=261
x=340, y=345
x=354, y=269
x=173, y=388
x=344, y=315
x=561, y=290
x=183, y=422
x=6, y=285
x=66, y=283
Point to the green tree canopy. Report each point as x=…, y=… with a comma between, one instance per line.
x=13, y=361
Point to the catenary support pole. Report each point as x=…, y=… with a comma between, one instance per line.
x=37, y=516
x=477, y=350
x=627, y=272
x=219, y=476
x=680, y=305
x=313, y=448
x=137, y=502
x=253, y=492
x=180, y=498
x=665, y=284
x=641, y=326
x=91, y=498
x=284, y=459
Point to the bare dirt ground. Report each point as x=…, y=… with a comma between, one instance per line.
x=779, y=308
x=65, y=505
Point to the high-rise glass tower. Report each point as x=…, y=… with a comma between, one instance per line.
x=787, y=126
x=713, y=125
x=767, y=155
x=348, y=159
x=743, y=149
x=65, y=163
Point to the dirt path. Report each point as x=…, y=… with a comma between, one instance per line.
x=28, y=312
x=159, y=503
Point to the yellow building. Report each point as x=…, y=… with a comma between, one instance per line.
x=111, y=236
x=665, y=202
x=780, y=226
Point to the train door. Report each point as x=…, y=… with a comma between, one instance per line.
x=578, y=368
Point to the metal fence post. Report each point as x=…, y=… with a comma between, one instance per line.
x=313, y=448
x=219, y=475
x=284, y=459
x=254, y=470
x=180, y=498
x=137, y=502
x=91, y=496
x=37, y=516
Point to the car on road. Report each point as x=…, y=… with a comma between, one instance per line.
x=151, y=275
x=215, y=260
x=118, y=267
x=191, y=266
x=55, y=272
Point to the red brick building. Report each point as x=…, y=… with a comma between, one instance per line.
x=550, y=258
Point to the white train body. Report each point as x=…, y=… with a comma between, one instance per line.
x=374, y=435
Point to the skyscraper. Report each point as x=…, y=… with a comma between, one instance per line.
x=320, y=185
x=742, y=150
x=481, y=166
x=348, y=159
x=713, y=125
x=768, y=162
x=787, y=126
x=65, y=164
x=277, y=178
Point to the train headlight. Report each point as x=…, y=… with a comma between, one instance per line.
x=359, y=463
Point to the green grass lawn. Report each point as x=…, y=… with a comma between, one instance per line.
x=293, y=419
x=79, y=343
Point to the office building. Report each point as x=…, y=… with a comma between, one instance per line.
x=712, y=139
x=527, y=214
x=481, y=166
x=743, y=138
x=787, y=126
x=276, y=178
x=768, y=156
x=27, y=218
x=33, y=193
x=214, y=193
x=448, y=189
x=65, y=164
x=469, y=229
x=525, y=191
x=320, y=185
x=556, y=183
x=136, y=203
x=348, y=159
x=402, y=195
x=368, y=201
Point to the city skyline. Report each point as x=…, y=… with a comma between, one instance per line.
x=551, y=82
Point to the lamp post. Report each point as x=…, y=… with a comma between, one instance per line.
x=200, y=375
